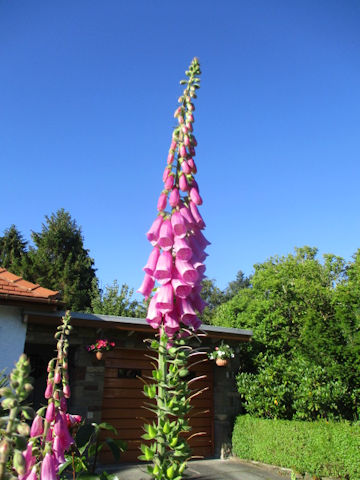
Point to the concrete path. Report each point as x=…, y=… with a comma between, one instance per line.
x=232, y=469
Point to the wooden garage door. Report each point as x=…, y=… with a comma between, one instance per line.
x=123, y=400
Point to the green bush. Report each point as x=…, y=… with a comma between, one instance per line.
x=321, y=448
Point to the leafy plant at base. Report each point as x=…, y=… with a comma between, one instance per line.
x=167, y=448
x=13, y=428
x=83, y=456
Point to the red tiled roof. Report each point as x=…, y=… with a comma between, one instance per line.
x=12, y=285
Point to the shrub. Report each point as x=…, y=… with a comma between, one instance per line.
x=318, y=448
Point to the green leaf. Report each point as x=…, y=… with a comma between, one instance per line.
x=114, y=447
x=64, y=466
x=107, y=426
x=84, y=435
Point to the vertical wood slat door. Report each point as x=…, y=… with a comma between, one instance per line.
x=123, y=402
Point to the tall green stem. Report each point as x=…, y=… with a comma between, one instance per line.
x=161, y=393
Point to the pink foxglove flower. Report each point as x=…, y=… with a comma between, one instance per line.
x=197, y=217
x=162, y=202
x=66, y=391
x=198, y=303
x=166, y=236
x=48, y=468
x=165, y=299
x=166, y=173
x=171, y=321
x=186, y=311
x=178, y=224
x=50, y=412
x=57, y=377
x=59, y=451
x=152, y=261
x=49, y=390
x=182, y=249
x=174, y=197
x=37, y=427
x=176, y=264
x=200, y=268
x=195, y=196
x=181, y=289
x=164, y=268
x=153, y=316
x=183, y=183
x=186, y=271
x=153, y=233
x=169, y=182
x=33, y=474
x=186, y=214
x=182, y=151
x=147, y=286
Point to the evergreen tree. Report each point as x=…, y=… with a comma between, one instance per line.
x=13, y=251
x=59, y=260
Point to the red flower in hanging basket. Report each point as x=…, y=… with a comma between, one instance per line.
x=101, y=345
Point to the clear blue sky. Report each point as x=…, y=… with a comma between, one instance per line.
x=88, y=90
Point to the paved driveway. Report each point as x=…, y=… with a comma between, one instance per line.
x=209, y=470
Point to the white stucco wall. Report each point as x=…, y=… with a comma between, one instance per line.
x=12, y=336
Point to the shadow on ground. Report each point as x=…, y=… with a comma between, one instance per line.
x=215, y=469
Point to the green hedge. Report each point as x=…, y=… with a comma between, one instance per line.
x=321, y=448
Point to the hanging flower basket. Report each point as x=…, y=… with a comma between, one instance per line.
x=221, y=362
x=100, y=346
x=221, y=354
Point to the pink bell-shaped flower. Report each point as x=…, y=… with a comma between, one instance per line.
x=162, y=202
x=186, y=214
x=181, y=289
x=50, y=412
x=49, y=390
x=187, y=271
x=66, y=390
x=195, y=196
x=48, y=468
x=169, y=182
x=183, y=183
x=165, y=299
x=164, y=268
x=179, y=225
x=174, y=197
x=32, y=475
x=166, y=237
x=153, y=316
x=171, y=321
x=146, y=286
x=185, y=167
x=198, y=303
x=59, y=451
x=200, y=268
x=153, y=233
x=152, y=261
x=182, y=249
x=186, y=311
x=197, y=217
x=37, y=427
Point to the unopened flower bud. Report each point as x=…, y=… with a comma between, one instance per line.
x=19, y=462
x=4, y=450
x=23, y=429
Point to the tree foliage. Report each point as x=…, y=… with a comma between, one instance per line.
x=59, y=260
x=305, y=318
x=13, y=251
x=115, y=300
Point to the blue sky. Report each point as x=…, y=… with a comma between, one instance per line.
x=88, y=90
